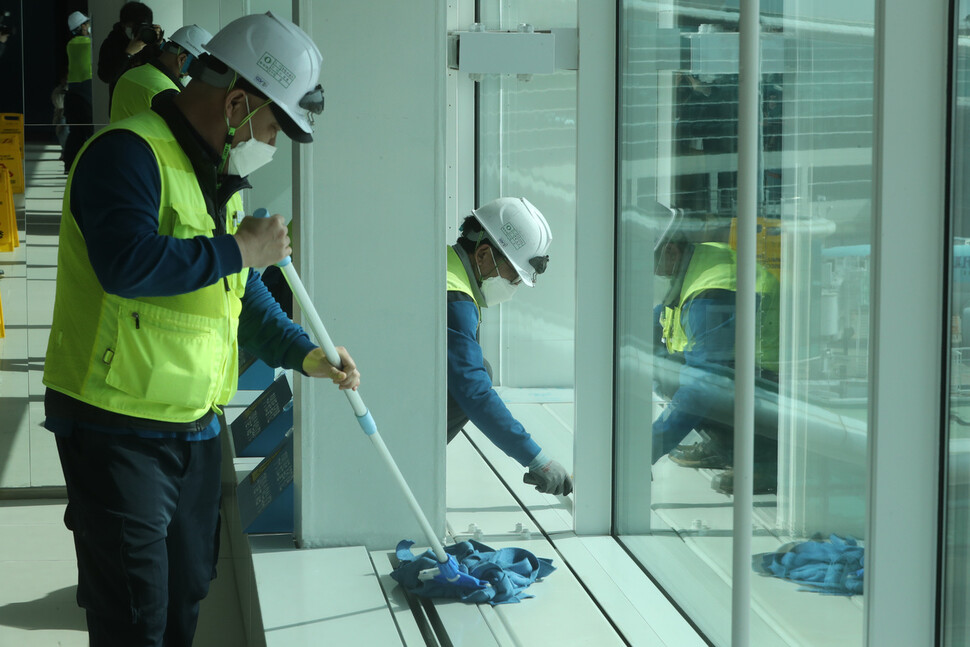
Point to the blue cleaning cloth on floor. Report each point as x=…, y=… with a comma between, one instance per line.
x=509, y=571
x=833, y=567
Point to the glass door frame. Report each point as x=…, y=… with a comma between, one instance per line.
x=596, y=161
x=908, y=277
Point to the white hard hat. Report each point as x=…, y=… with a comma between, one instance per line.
x=520, y=232
x=191, y=38
x=280, y=60
x=76, y=19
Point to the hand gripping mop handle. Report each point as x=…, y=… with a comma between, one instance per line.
x=448, y=567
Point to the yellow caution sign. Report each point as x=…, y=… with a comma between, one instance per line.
x=9, y=236
x=12, y=123
x=10, y=157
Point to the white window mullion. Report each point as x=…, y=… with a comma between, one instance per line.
x=595, y=198
x=749, y=143
x=907, y=308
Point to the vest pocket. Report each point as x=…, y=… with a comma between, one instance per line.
x=190, y=221
x=165, y=356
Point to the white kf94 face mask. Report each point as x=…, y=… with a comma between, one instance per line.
x=497, y=289
x=250, y=154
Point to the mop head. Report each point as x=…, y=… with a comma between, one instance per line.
x=483, y=574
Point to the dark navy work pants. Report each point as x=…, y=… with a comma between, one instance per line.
x=145, y=517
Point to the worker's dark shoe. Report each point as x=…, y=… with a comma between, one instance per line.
x=703, y=455
x=765, y=480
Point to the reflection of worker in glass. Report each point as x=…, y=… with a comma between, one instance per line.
x=136, y=88
x=695, y=330
x=77, y=102
x=502, y=245
x=132, y=41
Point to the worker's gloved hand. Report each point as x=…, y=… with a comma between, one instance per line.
x=549, y=477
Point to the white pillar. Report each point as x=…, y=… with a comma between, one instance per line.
x=371, y=206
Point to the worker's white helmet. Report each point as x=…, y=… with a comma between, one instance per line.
x=191, y=38
x=280, y=60
x=520, y=232
x=76, y=19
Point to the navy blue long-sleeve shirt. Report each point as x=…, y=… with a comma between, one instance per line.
x=115, y=198
x=471, y=388
x=709, y=323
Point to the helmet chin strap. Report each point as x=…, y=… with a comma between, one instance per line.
x=230, y=133
x=231, y=130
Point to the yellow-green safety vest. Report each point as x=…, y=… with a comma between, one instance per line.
x=135, y=90
x=457, y=279
x=171, y=358
x=79, y=59
x=713, y=266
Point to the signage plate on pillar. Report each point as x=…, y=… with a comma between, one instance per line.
x=265, y=496
x=261, y=426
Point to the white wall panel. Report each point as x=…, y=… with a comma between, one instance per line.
x=371, y=252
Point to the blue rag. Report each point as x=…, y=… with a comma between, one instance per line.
x=833, y=567
x=509, y=571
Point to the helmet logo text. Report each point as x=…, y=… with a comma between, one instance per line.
x=276, y=70
x=515, y=239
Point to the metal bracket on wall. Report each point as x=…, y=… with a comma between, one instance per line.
x=523, y=52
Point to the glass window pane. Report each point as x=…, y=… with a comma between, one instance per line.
x=526, y=147
x=676, y=295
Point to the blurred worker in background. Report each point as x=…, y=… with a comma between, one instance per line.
x=502, y=245
x=7, y=30
x=78, y=111
x=154, y=296
x=137, y=87
x=59, y=121
x=695, y=345
x=133, y=41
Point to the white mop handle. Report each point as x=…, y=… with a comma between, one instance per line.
x=436, y=546
x=363, y=415
x=319, y=331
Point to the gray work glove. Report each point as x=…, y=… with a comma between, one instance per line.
x=549, y=478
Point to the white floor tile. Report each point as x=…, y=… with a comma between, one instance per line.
x=321, y=596
x=14, y=441
x=36, y=542
x=13, y=293
x=38, y=605
x=45, y=466
x=32, y=512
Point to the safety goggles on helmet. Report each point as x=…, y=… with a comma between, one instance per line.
x=312, y=102
x=539, y=264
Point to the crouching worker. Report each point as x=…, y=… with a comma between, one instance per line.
x=502, y=245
